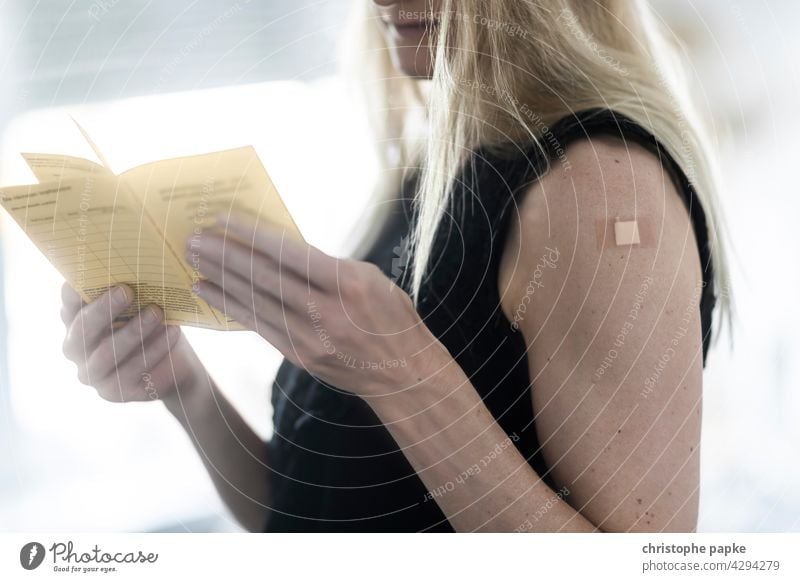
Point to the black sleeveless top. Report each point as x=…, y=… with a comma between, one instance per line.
x=334, y=467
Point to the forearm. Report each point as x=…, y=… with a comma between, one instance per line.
x=233, y=454
x=468, y=463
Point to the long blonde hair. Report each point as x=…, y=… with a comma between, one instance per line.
x=505, y=70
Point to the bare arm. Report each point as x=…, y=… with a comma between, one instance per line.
x=233, y=454
x=615, y=336
x=619, y=427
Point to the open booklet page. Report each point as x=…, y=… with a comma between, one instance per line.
x=183, y=195
x=99, y=229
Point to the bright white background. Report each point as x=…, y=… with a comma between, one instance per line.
x=69, y=461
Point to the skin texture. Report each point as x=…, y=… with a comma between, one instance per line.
x=628, y=454
x=407, y=25
x=628, y=458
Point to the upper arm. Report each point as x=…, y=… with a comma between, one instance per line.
x=614, y=335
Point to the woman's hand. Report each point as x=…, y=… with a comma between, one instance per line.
x=139, y=361
x=342, y=320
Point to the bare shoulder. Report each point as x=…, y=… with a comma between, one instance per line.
x=572, y=211
x=612, y=323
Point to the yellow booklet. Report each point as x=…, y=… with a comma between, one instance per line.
x=100, y=229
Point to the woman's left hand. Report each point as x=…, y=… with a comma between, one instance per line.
x=342, y=320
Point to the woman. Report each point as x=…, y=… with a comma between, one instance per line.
x=537, y=363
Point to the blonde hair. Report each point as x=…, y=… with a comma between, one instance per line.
x=506, y=70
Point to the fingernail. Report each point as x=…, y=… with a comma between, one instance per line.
x=120, y=295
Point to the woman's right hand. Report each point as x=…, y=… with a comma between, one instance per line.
x=140, y=361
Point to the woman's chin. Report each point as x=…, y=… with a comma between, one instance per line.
x=412, y=61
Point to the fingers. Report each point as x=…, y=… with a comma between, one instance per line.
x=71, y=303
x=260, y=283
x=95, y=320
x=216, y=297
x=305, y=260
x=116, y=347
x=135, y=379
x=213, y=250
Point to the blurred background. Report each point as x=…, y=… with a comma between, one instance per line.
x=155, y=79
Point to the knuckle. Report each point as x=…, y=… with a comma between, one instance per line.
x=101, y=359
x=173, y=333
x=66, y=348
x=407, y=301
x=83, y=376
x=354, y=282
x=369, y=274
x=371, y=269
x=73, y=348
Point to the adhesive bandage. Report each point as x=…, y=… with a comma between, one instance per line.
x=625, y=232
